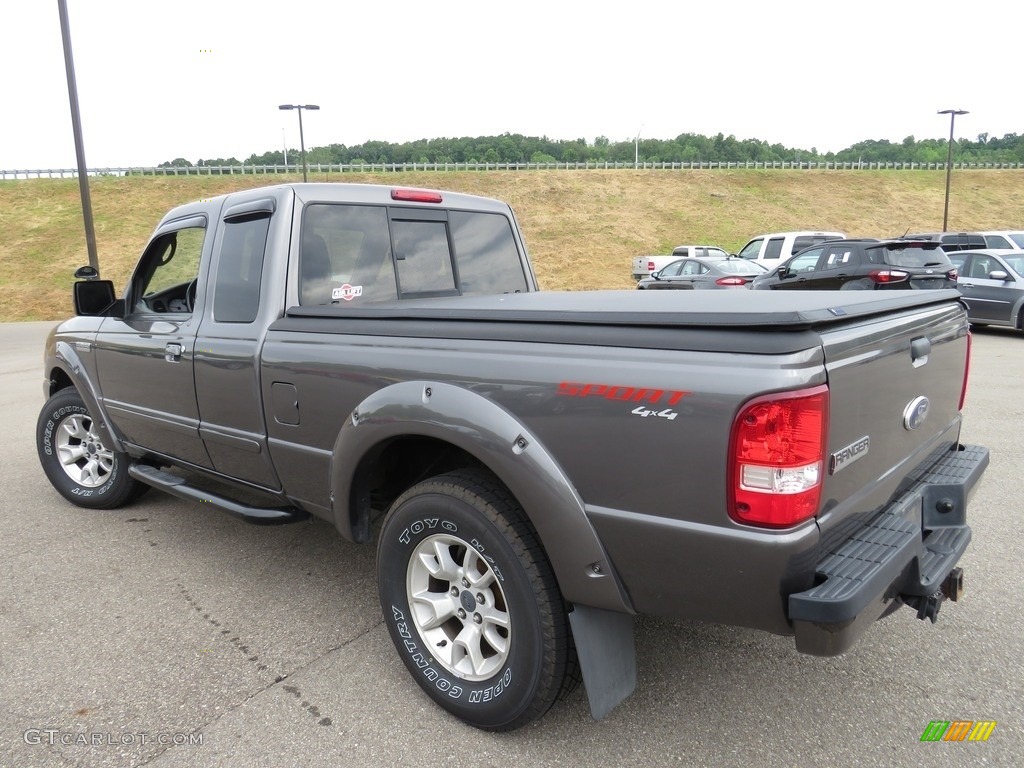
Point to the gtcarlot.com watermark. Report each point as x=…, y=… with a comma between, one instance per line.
x=55, y=737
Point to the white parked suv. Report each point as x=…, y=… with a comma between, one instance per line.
x=772, y=249
x=643, y=266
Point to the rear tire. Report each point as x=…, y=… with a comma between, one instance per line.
x=471, y=602
x=78, y=465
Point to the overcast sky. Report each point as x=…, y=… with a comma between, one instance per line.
x=159, y=80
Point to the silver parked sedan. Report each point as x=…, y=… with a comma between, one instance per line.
x=992, y=284
x=705, y=272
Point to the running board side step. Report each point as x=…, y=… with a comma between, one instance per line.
x=178, y=486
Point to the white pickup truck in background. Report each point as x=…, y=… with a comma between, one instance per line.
x=644, y=266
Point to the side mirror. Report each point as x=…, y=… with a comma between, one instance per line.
x=998, y=275
x=93, y=297
x=656, y=274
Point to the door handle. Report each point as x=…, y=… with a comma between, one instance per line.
x=173, y=352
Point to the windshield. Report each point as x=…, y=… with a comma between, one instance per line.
x=751, y=249
x=1016, y=263
x=1018, y=238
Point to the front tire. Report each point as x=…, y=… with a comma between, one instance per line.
x=77, y=463
x=471, y=602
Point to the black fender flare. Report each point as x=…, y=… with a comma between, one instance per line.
x=488, y=432
x=66, y=358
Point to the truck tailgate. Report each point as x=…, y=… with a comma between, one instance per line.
x=895, y=386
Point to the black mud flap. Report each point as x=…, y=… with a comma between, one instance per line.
x=607, y=653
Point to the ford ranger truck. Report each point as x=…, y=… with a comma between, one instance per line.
x=380, y=358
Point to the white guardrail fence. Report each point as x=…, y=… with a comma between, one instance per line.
x=318, y=168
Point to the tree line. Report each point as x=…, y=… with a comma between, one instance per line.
x=685, y=148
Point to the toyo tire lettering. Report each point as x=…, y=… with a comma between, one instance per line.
x=471, y=602
x=76, y=462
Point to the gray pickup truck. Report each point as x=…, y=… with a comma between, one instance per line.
x=381, y=358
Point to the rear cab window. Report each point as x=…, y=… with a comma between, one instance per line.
x=805, y=241
x=962, y=241
x=369, y=253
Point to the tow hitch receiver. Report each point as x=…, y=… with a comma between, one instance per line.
x=927, y=606
x=953, y=586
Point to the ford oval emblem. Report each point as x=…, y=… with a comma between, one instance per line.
x=915, y=413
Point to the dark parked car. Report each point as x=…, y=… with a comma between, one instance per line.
x=864, y=264
x=952, y=241
x=992, y=284
x=701, y=273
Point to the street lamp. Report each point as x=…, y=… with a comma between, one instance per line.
x=949, y=158
x=636, y=149
x=302, y=140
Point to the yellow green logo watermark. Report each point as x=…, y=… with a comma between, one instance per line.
x=958, y=730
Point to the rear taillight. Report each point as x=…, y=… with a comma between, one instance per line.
x=967, y=370
x=650, y=266
x=730, y=281
x=888, y=275
x=953, y=275
x=777, y=458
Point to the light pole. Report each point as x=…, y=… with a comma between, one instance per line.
x=302, y=140
x=76, y=127
x=636, y=149
x=949, y=158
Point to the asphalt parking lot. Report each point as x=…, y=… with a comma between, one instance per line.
x=163, y=634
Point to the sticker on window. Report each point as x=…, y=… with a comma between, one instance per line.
x=347, y=292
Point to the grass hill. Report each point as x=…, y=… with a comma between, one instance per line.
x=581, y=227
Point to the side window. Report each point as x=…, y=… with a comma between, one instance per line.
x=166, y=278
x=981, y=266
x=672, y=270
x=751, y=249
x=345, y=255
x=805, y=262
x=423, y=257
x=236, y=291
x=692, y=268
x=774, y=248
x=486, y=254
x=997, y=241
x=838, y=257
